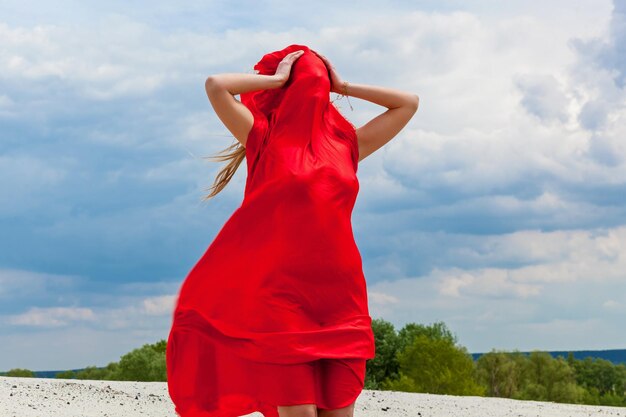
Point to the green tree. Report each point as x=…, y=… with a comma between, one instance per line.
x=160, y=346
x=601, y=374
x=93, y=373
x=385, y=364
x=435, y=331
x=434, y=364
x=545, y=378
x=605, y=382
x=112, y=369
x=65, y=375
x=25, y=373
x=500, y=373
x=142, y=364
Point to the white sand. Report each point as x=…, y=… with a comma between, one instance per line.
x=42, y=397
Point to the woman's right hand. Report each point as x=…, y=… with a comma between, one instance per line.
x=284, y=67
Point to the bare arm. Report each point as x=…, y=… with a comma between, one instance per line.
x=222, y=88
x=377, y=132
x=401, y=106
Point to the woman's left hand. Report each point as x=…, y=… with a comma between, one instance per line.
x=336, y=83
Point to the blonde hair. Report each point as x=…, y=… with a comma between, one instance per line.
x=235, y=153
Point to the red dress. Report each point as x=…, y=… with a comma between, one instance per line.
x=275, y=312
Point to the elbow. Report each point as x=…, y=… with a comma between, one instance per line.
x=414, y=102
x=410, y=102
x=211, y=83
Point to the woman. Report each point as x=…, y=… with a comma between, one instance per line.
x=274, y=316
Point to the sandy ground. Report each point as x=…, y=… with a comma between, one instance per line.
x=42, y=397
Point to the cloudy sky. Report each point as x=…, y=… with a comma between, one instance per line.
x=500, y=209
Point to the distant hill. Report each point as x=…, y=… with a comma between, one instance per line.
x=617, y=356
x=47, y=374
x=51, y=374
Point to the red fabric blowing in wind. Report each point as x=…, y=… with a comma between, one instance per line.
x=275, y=311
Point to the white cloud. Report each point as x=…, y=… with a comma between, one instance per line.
x=136, y=313
x=520, y=127
x=159, y=306
x=380, y=298
x=612, y=305
x=488, y=282
x=565, y=277
x=51, y=317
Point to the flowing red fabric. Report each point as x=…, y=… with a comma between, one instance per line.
x=275, y=312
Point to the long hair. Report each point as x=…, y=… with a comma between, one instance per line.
x=235, y=153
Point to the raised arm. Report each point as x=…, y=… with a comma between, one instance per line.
x=222, y=88
x=384, y=127
x=401, y=106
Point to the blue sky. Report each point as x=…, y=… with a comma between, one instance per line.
x=500, y=208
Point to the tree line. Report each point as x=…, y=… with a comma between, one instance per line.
x=146, y=364
x=429, y=359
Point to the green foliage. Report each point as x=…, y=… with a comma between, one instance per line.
x=385, y=365
x=544, y=378
x=436, y=331
x=389, y=343
x=160, y=346
x=65, y=375
x=500, y=372
x=434, y=364
x=25, y=373
x=143, y=364
x=570, y=359
x=541, y=377
x=94, y=373
x=427, y=358
x=605, y=382
x=420, y=358
x=601, y=374
x=615, y=400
